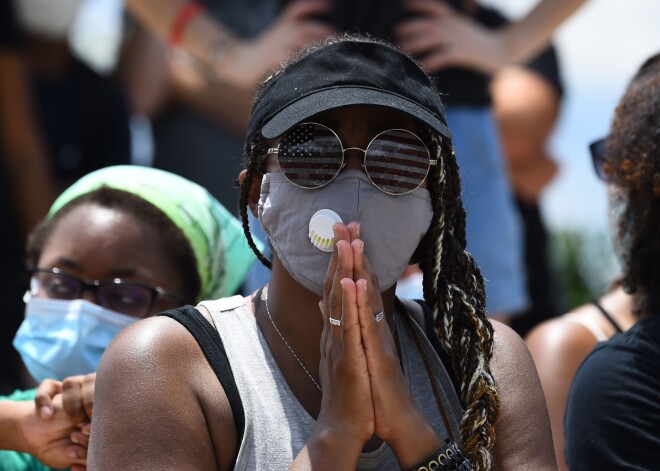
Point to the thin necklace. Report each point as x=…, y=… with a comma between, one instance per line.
x=265, y=290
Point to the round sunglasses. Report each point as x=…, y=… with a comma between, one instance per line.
x=126, y=297
x=311, y=155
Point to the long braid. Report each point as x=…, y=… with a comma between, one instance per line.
x=453, y=287
x=253, y=151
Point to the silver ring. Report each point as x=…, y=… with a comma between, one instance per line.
x=379, y=316
x=335, y=322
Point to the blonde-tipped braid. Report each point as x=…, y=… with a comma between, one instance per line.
x=453, y=287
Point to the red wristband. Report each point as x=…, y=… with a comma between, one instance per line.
x=186, y=13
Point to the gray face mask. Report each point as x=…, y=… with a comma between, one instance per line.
x=390, y=226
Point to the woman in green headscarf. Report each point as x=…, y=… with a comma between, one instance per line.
x=120, y=244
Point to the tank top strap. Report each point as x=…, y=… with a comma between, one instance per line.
x=607, y=315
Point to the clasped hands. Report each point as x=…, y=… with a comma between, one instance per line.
x=364, y=389
x=56, y=427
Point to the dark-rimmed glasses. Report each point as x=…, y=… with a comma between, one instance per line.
x=311, y=155
x=597, y=149
x=126, y=297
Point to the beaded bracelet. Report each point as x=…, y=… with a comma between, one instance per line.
x=448, y=458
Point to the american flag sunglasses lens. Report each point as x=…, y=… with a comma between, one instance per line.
x=397, y=161
x=310, y=155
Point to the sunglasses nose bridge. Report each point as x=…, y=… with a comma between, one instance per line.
x=354, y=160
x=89, y=291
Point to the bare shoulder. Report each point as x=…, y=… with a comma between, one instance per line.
x=561, y=340
x=153, y=379
x=523, y=435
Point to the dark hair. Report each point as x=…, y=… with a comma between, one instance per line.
x=633, y=167
x=173, y=243
x=453, y=287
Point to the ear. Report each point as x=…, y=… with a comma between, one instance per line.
x=255, y=189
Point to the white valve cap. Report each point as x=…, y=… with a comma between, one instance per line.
x=320, y=229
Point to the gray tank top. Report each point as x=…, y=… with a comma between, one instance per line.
x=276, y=425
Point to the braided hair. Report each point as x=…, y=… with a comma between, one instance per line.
x=453, y=285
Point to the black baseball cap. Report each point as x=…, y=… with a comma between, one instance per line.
x=345, y=73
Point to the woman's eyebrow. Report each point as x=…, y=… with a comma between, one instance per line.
x=67, y=262
x=122, y=272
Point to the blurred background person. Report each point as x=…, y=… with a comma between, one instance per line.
x=26, y=187
x=526, y=105
x=60, y=120
x=613, y=413
x=191, y=112
x=128, y=227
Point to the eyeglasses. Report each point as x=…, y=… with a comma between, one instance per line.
x=311, y=155
x=126, y=297
x=597, y=149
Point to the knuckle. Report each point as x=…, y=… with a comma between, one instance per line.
x=334, y=304
x=327, y=283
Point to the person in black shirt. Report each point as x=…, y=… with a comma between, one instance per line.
x=613, y=415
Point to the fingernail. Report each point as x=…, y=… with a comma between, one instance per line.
x=85, y=430
x=74, y=439
x=357, y=231
x=362, y=248
x=46, y=411
x=365, y=286
x=71, y=453
x=338, y=248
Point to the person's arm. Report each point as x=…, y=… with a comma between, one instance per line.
x=22, y=430
x=154, y=399
x=456, y=40
x=233, y=60
x=558, y=347
x=523, y=439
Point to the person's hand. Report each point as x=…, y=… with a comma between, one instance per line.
x=346, y=405
x=77, y=395
x=398, y=419
x=49, y=440
x=442, y=37
x=246, y=63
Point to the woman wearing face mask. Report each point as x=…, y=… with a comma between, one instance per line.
x=351, y=172
x=119, y=245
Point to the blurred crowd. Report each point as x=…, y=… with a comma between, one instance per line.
x=68, y=120
x=61, y=120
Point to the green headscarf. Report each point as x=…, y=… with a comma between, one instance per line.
x=215, y=235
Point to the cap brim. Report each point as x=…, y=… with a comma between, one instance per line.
x=338, y=97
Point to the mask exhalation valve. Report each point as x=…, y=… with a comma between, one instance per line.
x=320, y=229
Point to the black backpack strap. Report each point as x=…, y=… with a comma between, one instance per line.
x=432, y=335
x=211, y=344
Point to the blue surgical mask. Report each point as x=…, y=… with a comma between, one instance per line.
x=60, y=338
